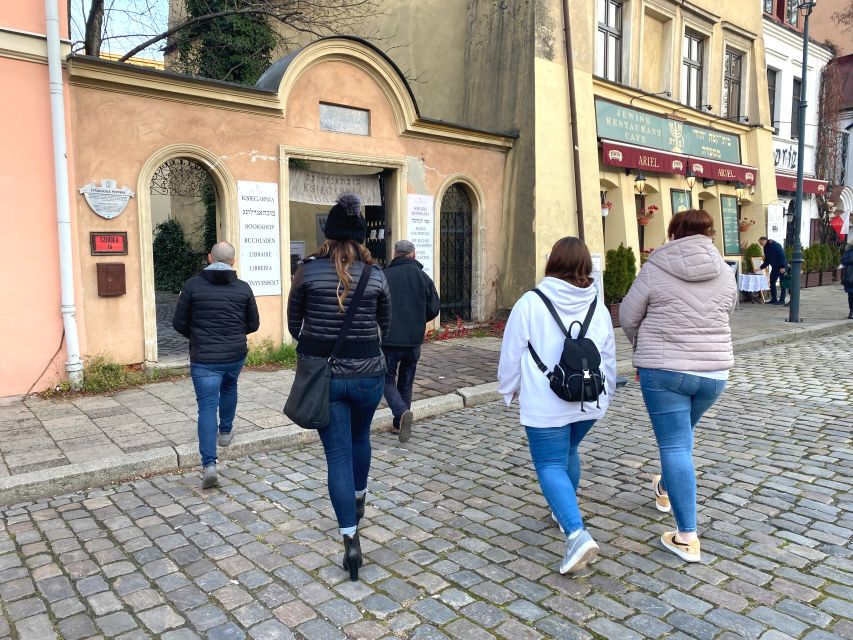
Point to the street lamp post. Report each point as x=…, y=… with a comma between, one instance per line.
x=806, y=7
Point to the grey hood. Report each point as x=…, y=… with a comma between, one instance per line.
x=693, y=259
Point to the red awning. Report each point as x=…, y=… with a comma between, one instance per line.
x=786, y=182
x=624, y=155
x=723, y=171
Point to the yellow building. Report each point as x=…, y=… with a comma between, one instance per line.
x=669, y=91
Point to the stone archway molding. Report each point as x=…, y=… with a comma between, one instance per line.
x=226, y=204
x=479, y=286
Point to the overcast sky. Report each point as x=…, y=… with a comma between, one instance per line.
x=126, y=24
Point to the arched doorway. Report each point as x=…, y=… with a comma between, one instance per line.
x=456, y=240
x=185, y=224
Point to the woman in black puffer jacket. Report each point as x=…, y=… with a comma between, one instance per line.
x=322, y=288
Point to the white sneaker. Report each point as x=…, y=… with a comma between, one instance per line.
x=580, y=551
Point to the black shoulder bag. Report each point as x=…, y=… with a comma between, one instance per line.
x=308, y=402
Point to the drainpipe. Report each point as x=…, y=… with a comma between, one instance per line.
x=573, y=116
x=74, y=365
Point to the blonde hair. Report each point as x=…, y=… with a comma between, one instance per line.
x=343, y=253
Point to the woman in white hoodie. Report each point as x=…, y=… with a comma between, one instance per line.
x=555, y=427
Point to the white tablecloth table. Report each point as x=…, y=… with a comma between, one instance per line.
x=753, y=283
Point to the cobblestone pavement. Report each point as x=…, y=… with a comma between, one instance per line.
x=458, y=540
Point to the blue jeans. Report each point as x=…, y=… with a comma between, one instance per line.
x=346, y=441
x=215, y=389
x=675, y=402
x=558, y=466
x=398, y=386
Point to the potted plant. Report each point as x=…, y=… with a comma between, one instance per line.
x=751, y=251
x=620, y=269
x=744, y=224
x=645, y=215
x=825, y=252
x=811, y=266
x=606, y=206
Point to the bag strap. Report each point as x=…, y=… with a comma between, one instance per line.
x=553, y=311
x=353, y=305
x=588, y=319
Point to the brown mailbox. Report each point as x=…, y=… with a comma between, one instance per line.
x=111, y=279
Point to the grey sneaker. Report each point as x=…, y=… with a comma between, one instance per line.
x=580, y=551
x=209, y=479
x=224, y=439
x=406, y=425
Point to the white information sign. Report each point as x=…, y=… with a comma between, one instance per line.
x=776, y=225
x=422, y=229
x=260, y=248
x=107, y=201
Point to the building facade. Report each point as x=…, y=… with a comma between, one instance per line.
x=783, y=40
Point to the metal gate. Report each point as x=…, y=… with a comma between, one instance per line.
x=455, y=258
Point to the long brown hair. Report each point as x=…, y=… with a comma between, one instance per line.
x=343, y=253
x=570, y=261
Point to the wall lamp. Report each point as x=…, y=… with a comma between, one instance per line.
x=667, y=93
x=640, y=183
x=706, y=107
x=807, y=7
x=740, y=190
x=690, y=177
x=743, y=119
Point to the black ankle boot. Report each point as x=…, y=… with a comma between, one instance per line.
x=352, y=556
x=359, y=508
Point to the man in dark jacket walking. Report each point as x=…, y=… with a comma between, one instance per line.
x=215, y=311
x=774, y=255
x=414, y=302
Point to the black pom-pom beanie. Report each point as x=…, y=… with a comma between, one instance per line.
x=345, y=221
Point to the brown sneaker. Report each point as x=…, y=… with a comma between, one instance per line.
x=661, y=499
x=688, y=551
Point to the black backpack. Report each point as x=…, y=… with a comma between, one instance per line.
x=577, y=377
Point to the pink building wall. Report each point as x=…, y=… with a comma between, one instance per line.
x=30, y=319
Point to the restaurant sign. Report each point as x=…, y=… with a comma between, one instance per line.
x=624, y=124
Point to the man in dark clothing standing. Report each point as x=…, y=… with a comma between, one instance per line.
x=215, y=311
x=414, y=302
x=774, y=255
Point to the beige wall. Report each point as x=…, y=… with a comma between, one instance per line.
x=118, y=131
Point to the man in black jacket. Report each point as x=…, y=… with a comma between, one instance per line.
x=414, y=302
x=774, y=255
x=215, y=311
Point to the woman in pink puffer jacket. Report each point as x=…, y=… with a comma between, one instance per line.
x=676, y=315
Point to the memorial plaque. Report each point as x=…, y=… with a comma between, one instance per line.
x=344, y=119
x=107, y=201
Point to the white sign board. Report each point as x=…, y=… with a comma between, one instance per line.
x=422, y=229
x=777, y=227
x=325, y=188
x=107, y=201
x=260, y=248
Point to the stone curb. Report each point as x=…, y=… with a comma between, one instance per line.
x=82, y=475
x=79, y=476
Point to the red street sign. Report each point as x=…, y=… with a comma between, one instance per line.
x=108, y=244
x=837, y=223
